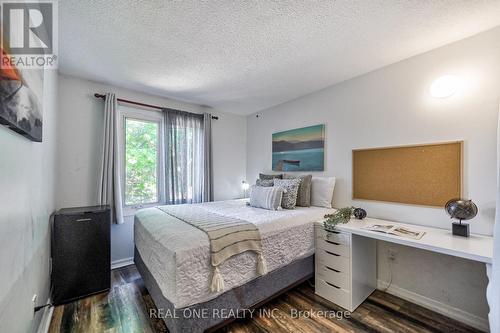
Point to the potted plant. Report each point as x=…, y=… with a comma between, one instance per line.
x=342, y=215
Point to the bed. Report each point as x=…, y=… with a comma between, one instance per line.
x=173, y=258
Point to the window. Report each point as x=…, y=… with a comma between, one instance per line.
x=141, y=137
x=146, y=139
x=141, y=161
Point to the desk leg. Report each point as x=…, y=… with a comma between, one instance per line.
x=493, y=303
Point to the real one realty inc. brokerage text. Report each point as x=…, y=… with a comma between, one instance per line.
x=205, y=313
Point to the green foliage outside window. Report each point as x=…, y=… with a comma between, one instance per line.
x=141, y=162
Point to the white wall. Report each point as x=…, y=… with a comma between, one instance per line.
x=79, y=145
x=392, y=106
x=27, y=177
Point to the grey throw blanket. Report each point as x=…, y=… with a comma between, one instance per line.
x=228, y=237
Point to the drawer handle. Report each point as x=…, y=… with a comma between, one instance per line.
x=83, y=220
x=330, y=242
x=333, y=269
x=332, y=232
x=334, y=286
x=333, y=254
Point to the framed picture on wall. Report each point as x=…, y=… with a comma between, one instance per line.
x=300, y=149
x=21, y=93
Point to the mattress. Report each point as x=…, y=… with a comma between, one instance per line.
x=178, y=254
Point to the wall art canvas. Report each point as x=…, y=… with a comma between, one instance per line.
x=21, y=93
x=301, y=149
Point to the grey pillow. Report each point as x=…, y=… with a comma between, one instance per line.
x=290, y=189
x=304, y=195
x=266, y=197
x=263, y=176
x=265, y=182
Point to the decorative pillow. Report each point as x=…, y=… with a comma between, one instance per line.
x=290, y=189
x=263, y=176
x=322, y=191
x=304, y=195
x=265, y=182
x=266, y=197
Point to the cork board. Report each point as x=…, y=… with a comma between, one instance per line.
x=427, y=175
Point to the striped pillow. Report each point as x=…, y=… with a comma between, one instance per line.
x=266, y=197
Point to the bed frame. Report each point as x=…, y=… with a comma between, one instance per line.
x=248, y=296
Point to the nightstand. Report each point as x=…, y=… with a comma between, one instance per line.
x=345, y=267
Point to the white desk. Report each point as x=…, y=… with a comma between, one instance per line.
x=476, y=247
x=349, y=251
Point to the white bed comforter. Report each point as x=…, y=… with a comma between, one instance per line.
x=178, y=255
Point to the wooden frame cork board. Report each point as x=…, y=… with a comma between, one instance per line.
x=428, y=175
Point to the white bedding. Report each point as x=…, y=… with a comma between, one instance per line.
x=178, y=256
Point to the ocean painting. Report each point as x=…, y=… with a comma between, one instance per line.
x=301, y=149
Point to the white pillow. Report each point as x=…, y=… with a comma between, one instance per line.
x=322, y=191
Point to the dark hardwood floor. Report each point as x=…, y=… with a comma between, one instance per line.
x=126, y=309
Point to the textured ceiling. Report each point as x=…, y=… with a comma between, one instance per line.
x=245, y=56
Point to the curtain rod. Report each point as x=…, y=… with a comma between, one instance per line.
x=140, y=104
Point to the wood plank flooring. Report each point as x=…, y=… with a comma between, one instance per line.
x=126, y=307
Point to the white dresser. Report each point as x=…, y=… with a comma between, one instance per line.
x=346, y=266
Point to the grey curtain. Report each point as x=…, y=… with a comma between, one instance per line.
x=208, y=190
x=109, y=186
x=188, y=160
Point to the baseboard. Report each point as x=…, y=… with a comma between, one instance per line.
x=44, y=325
x=442, y=308
x=122, y=262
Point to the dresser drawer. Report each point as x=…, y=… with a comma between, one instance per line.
x=333, y=247
x=335, y=261
x=333, y=236
x=333, y=294
x=333, y=276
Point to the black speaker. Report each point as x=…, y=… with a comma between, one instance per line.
x=80, y=251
